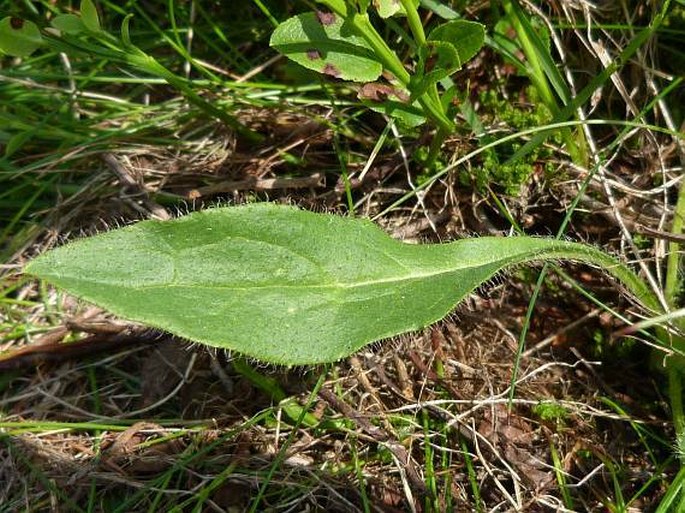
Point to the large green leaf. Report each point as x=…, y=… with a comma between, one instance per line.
x=284, y=285
x=325, y=42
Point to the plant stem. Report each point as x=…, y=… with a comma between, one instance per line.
x=675, y=393
x=430, y=104
x=673, y=281
x=392, y=63
x=676, y=364
x=435, y=147
x=416, y=27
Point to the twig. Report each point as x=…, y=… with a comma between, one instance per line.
x=379, y=435
x=128, y=182
x=56, y=352
x=259, y=184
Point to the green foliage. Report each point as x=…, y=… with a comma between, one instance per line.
x=466, y=37
x=326, y=44
x=344, y=44
x=509, y=46
x=550, y=412
x=288, y=286
x=19, y=37
x=79, y=35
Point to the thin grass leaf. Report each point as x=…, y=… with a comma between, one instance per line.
x=538, y=53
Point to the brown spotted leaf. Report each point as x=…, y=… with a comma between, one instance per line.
x=324, y=42
x=19, y=37
x=392, y=101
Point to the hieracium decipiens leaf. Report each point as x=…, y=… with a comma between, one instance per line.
x=285, y=285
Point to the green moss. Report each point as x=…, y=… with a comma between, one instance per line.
x=549, y=411
x=493, y=171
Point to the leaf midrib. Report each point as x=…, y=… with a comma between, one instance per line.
x=310, y=286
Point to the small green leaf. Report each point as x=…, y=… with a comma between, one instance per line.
x=437, y=60
x=324, y=42
x=89, y=16
x=68, y=23
x=18, y=37
x=466, y=36
x=388, y=8
x=288, y=286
